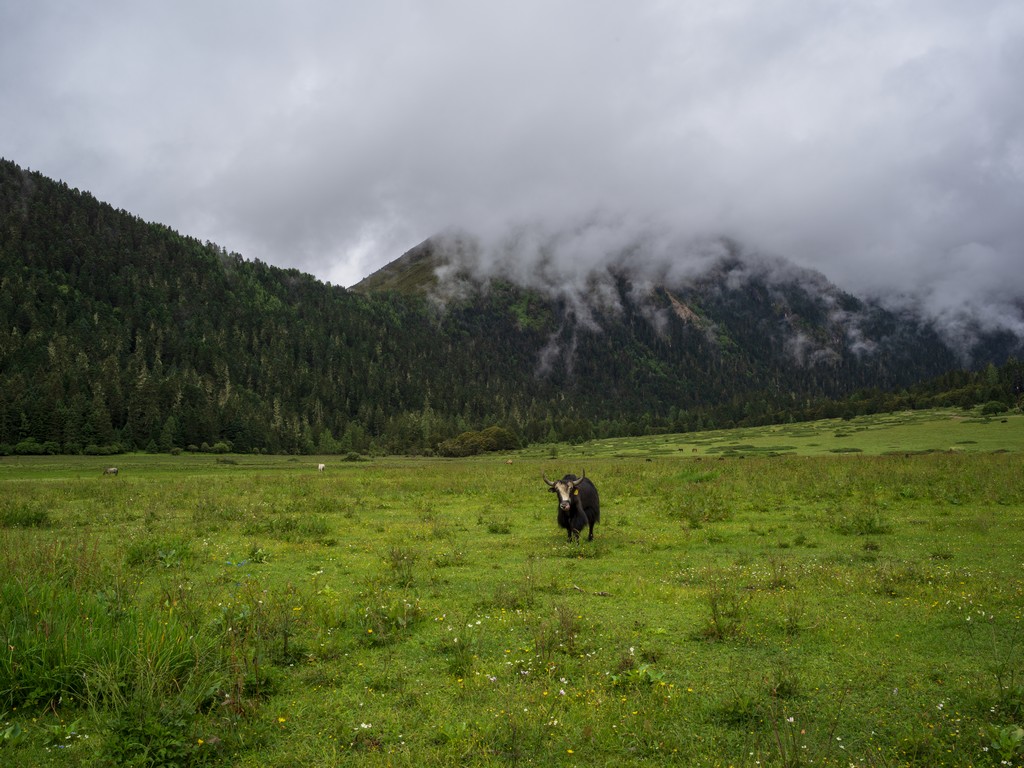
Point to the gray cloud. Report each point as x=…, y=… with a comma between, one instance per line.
x=882, y=144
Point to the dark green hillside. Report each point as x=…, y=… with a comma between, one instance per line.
x=119, y=334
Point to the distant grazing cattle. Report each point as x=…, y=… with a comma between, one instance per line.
x=578, y=505
x=110, y=471
x=320, y=467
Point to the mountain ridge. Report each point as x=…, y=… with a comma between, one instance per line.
x=118, y=334
x=803, y=301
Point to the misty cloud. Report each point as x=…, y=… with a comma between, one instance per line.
x=881, y=144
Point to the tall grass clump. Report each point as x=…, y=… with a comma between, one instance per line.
x=23, y=515
x=860, y=522
x=152, y=688
x=155, y=551
x=726, y=607
x=75, y=635
x=55, y=618
x=288, y=527
x=401, y=562
x=51, y=637
x=259, y=623
x=384, y=614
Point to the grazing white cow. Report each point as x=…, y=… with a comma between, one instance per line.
x=320, y=467
x=110, y=471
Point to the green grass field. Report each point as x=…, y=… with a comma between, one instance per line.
x=834, y=593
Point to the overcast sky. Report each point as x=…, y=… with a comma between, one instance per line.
x=880, y=141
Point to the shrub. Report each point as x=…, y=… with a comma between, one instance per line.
x=993, y=407
x=102, y=450
x=32, y=447
x=472, y=443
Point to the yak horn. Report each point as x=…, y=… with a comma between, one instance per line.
x=550, y=484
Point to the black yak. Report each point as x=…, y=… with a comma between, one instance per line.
x=578, y=504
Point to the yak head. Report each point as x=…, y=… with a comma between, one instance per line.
x=566, y=488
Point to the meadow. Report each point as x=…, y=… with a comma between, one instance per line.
x=830, y=593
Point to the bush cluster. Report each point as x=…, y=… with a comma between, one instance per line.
x=472, y=443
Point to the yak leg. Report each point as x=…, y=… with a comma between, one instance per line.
x=576, y=525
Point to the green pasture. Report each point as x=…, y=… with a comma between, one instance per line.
x=906, y=432
x=837, y=593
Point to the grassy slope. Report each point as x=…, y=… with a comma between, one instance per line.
x=428, y=612
x=911, y=431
